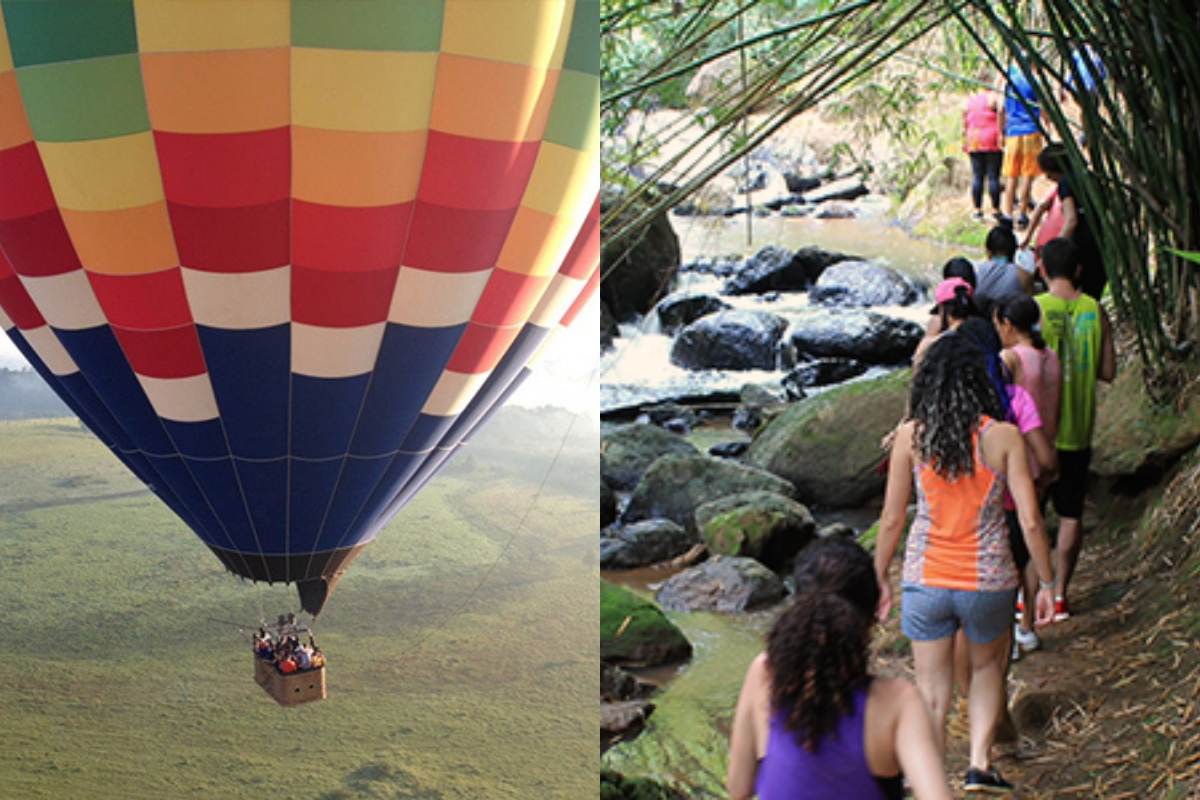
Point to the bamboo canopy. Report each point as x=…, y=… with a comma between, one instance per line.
x=1140, y=171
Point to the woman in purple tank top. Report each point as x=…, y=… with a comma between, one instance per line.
x=811, y=723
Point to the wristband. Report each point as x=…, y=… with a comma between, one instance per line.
x=1048, y=585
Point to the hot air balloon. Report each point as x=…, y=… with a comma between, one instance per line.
x=284, y=256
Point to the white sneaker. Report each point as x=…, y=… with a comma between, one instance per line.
x=1016, y=653
x=1026, y=640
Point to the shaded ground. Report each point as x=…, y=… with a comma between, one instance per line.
x=1108, y=706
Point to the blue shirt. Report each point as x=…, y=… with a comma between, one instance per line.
x=1020, y=105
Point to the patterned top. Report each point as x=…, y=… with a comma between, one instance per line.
x=959, y=539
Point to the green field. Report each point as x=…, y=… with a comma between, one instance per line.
x=462, y=643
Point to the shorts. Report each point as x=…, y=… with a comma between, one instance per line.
x=1016, y=540
x=1068, y=491
x=928, y=614
x=1020, y=156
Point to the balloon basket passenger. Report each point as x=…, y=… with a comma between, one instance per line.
x=288, y=664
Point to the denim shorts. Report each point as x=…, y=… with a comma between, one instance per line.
x=928, y=614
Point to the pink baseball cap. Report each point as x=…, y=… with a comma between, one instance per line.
x=947, y=289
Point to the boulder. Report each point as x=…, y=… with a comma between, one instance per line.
x=623, y=722
x=635, y=632
x=608, y=328
x=723, y=584
x=828, y=445
x=769, y=528
x=865, y=336
x=823, y=372
x=641, y=544
x=732, y=340
x=775, y=268
x=844, y=189
x=835, y=210
x=709, y=200
x=639, y=270
x=860, y=284
x=675, y=486
x=617, y=685
x=608, y=505
x=836, y=529
x=627, y=452
x=680, y=310
x=799, y=184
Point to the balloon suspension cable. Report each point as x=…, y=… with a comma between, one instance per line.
x=440, y=626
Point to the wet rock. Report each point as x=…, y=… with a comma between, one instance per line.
x=636, y=273
x=723, y=584
x=617, y=685
x=844, y=189
x=827, y=446
x=865, y=336
x=608, y=328
x=641, y=544
x=680, y=310
x=860, y=284
x=747, y=418
x=675, y=486
x=799, y=184
x=775, y=268
x=836, y=529
x=623, y=722
x=730, y=340
x=635, y=632
x=728, y=449
x=627, y=452
x=767, y=527
x=823, y=372
x=836, y=210
x=608, y=505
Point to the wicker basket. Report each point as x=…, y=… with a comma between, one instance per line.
x=306, y=686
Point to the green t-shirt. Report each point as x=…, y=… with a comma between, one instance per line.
x=1072, y=328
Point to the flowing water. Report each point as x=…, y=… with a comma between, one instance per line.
x=687, y=737
x=638, y=370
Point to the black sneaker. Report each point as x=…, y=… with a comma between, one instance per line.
x=1022, y=222
x=986, y=780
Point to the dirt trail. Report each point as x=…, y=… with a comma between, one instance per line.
x=1107, y=707
x=21, y=507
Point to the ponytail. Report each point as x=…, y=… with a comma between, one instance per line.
x=817, y=653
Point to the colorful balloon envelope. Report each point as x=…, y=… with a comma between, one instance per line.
x=284, y=256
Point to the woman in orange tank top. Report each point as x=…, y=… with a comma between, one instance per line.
x=958, y=568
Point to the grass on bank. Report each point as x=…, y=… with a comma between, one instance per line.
x=127, y=677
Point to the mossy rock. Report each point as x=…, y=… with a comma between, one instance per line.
x=675, y=486
x=828, y=446
x=615, y=786
x=627, y=452
x=635, y=632
x=767, y=527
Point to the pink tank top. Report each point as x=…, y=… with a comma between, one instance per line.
x=1041, y=376
x=983, y=129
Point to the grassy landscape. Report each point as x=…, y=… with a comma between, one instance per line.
x=462, y=644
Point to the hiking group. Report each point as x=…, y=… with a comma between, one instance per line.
x=1000, y=418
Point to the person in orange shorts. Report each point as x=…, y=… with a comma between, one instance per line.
x=1022, y=143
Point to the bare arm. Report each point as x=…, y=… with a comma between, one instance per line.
x=1046, y=457
x=1004, y=451
x=1070, y=214
x=916, y=749
x=1108, y=351
x=895, y=513
x=744, y=746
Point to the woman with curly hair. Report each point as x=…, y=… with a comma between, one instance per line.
x=958, y=565
x=811, y=722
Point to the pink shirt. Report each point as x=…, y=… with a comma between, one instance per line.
x=983, y=128
x=1041, y=376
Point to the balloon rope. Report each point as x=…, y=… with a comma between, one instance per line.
x=438, y=627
